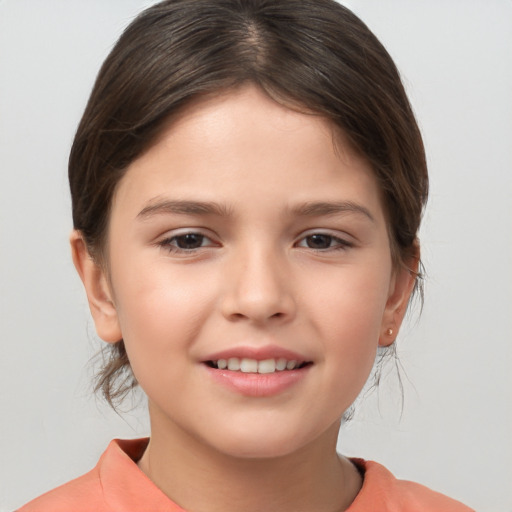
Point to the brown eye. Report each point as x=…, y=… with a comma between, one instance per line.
x=189, y=241
x=319, y=241
x=324, y=242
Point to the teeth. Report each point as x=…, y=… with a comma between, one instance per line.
x=281, y=364
x=247, y=365
x=267, y=366
x=290, y=365
x=234, y=364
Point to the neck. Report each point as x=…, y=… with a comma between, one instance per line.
x=199, y=478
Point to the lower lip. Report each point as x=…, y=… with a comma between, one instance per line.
x=258, y=384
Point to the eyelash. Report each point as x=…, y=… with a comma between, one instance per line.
x=339, y=243
x=170, y=244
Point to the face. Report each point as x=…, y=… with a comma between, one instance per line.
x=245, y=238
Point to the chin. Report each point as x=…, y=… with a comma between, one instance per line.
x=265, y=444
x=259, y=449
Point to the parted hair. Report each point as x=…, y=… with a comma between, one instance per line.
x=312, y=55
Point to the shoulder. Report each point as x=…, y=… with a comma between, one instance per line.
x=82, y=494
x=116, y=483
x=382, y=491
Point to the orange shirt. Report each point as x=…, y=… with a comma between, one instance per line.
x=116, y=484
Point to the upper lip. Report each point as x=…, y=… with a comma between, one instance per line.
x=258, y=353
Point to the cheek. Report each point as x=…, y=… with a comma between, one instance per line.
x=349, y=319
x=353, y=297
x=159, y=311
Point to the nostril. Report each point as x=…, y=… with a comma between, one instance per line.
x=257, y=305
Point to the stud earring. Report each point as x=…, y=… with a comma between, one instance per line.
x=389, y=332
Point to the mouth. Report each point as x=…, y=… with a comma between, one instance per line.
x=262, y=366
x=264, y=371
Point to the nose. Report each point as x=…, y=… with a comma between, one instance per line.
x=258, y=289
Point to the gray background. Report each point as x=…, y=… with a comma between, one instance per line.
x=455, y=431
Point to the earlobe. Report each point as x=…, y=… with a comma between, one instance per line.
x=99, y=294
x=402, y=286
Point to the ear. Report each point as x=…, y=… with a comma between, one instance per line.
x=98, y=290
x=402, y=285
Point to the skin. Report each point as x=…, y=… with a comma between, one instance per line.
x=256, y=278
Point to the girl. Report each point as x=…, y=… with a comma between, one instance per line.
x=247, y=184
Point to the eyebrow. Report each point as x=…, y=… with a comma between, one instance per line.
x=164, y=206
x=331, y=208
x=310, y=209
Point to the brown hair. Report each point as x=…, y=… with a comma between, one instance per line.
x=315, y=55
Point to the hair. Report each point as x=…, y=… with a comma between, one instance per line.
x=312, y=55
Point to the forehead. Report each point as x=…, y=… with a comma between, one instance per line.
x=241, y=141
x=216, y=114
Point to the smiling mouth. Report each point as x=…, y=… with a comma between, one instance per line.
x=247, y=365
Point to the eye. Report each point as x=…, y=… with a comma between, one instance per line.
x=323, y=242
x=186, y=242
x=189, y=241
